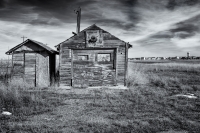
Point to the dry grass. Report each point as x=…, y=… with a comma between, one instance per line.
x=23, y=103
x=148, y=106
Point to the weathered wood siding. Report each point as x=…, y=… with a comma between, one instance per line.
x=18, y=66
x=30, y=46
x=65, y=67
x=33, y=65
x=69, y=61
x=30, y=68
x=92, y=72
x=52, y=69
x=42, y=69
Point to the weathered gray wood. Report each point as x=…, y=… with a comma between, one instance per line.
x=72, y=65
x=85, y=73
x=126, y=65
x=42, y=69
x=92, y=72
x=30, y=69
x=18, y=66
x=65, y=66
x=34, y=62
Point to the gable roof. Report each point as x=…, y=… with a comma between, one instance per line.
x=36, y=42
x=92, y=27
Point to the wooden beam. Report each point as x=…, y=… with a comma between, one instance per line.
x=35, y=71
x=27, y=51
x=12, y=70
x=96, y=48
x=126, y=64
x=24, y=67
x=72, y=71
x=116, y=68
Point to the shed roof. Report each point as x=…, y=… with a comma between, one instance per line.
x=36, y=42
x=92, y=27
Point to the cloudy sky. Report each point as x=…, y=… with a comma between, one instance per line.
x=153, y=27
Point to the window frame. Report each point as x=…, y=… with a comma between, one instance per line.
x=104, y=54
x=87, y=57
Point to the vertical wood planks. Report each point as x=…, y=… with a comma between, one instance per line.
x=30, y=68
x=72, y=67
x=42, y=69
x=126, y=64
x=93, y=72
x=18, y=66
x=65, y=67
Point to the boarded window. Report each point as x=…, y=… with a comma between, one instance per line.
x=83, y=57
x=104, y=57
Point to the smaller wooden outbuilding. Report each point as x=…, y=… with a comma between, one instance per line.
x=34, y=63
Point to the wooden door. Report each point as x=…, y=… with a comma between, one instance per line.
x=107, y=62
x=30, y=69
x=42, y=70
x=94, y=68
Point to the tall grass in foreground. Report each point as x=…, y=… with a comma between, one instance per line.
x=148, y=106
x=21, y=100
x=22, y=103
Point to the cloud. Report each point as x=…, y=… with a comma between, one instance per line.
x=187, y=42
x=18, y=10
x=153, y=27
x=160, y=29
x=11, y=33
x=172, y=4
x=40, y=11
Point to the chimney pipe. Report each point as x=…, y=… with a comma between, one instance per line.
x=78, y=12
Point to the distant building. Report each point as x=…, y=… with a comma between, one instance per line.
x=159, y=58
x=188, y=54
x=176, y=57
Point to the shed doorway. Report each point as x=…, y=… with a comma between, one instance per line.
x=93, y=67
x=36, y=69
x=30, y=68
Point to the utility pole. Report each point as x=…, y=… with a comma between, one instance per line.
x=23, y=38
x=78, y=12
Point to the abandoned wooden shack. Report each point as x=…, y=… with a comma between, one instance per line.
x=93, y=57
x=33, y=63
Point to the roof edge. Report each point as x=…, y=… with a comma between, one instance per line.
x=130, y=46
x=36, y=42
x=76, y=34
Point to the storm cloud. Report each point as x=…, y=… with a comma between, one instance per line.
x=151, y=26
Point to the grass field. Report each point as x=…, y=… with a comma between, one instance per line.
x=150, y=105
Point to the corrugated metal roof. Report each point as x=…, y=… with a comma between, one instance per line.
x=36, y=42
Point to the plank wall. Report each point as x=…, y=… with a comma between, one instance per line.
x=78, y=42
x=18, y=66
x=42, y=69
x=91, y=72
x=30, y=68
x=33, y=64
x=65, y=67
x=52, y=68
